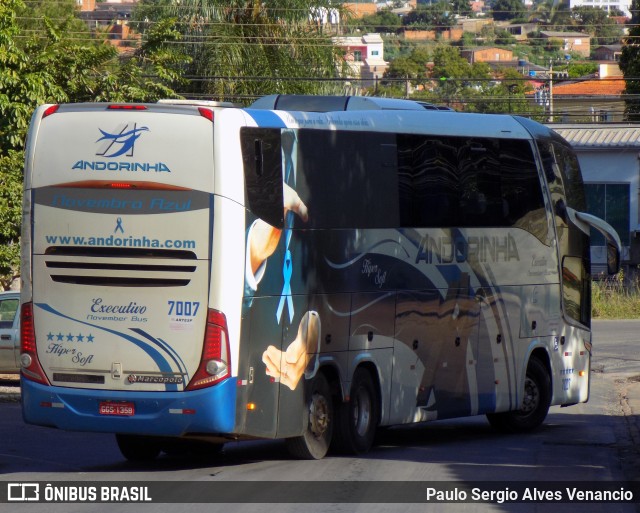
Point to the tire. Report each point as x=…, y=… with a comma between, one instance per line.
x=357, y=419
x=318, y=421
x=537, y=399
x=138, y=448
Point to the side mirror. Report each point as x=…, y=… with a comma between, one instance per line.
x=586, y=221
x=613, y=259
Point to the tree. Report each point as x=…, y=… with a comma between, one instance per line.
x=461, y=7
x=504, y=10
x=382, y=21
x=596, y=21
x=455, y=77
x=241, y=49
x=404, y=67
x=437, y=16
x=50, y=67
x=630, y=65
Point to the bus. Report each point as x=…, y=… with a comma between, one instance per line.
x=307, y=268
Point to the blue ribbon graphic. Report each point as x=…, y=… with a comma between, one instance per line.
x=287, y=271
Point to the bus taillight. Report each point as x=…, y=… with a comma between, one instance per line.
x=206, y=113
x=128, y=106
x=214, y=364
x=30, y=365
x=50, y=110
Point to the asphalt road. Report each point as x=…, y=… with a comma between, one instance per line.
x=593, y=442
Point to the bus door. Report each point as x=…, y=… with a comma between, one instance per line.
x=455, y=384
x=416, y=355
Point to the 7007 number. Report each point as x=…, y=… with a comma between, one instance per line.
x=184, y=308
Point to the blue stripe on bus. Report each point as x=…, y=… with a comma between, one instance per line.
x=212, y=409
x=167, y=348
x=159, y=359
x=266, y=118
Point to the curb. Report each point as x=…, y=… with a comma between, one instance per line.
x=10, y=397
x=9, y=388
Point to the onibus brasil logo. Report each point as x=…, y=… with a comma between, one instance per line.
x=120, y=142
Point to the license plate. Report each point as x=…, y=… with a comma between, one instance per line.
x=120, y=409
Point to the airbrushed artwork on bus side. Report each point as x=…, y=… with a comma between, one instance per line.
x=308, y=268
x=428, y=299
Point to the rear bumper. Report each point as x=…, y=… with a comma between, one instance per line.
x=210, y=410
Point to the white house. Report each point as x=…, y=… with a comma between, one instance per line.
x=365, y=56
x=609, y=158
x=623, y=5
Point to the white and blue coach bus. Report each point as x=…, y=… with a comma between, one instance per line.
x=309, y=268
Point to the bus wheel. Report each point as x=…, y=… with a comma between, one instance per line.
x=357, y=420
x=314, y=443
x=535, y=406
x=138, y=448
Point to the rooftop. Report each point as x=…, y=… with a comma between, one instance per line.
x=595, y=87
x=600, y=136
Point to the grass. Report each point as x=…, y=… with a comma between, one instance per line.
x=616, y=298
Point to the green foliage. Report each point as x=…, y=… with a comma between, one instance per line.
x=596, y=21
x=150, y=73
x=473, y=87
x=461, y=7
x=504, y=10
x=411, y=67
x=616, y=297
x=404, y=67
x=10, y=214
x=55, y=66
x=630, y=65
x=504, y=38
x=383, y=21
x=580, y=69
x=246, y=49
x=438, y=16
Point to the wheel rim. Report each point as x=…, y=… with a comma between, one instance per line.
x=362, y=412
x=318, y=415
x=531, y=396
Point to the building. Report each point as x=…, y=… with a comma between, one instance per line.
x=112, y=18
x=86, y=5
x=520, y=31
x=609, y=156
x=607, y=5
x=597, y=100
x=608, y=53
x=365, y=57
x=576, y=42
x=361, y=9
x=487, y=54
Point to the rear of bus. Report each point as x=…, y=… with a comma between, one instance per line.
x=118, y=332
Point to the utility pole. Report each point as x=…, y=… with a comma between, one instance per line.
x=550, y=91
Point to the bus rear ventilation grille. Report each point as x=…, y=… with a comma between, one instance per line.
x=103, y=252
x=113, y=281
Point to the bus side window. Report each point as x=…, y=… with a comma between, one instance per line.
x=261, y=155
x=348, y=179
x=477, y=182
x=571, y=177
x=428, y=181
